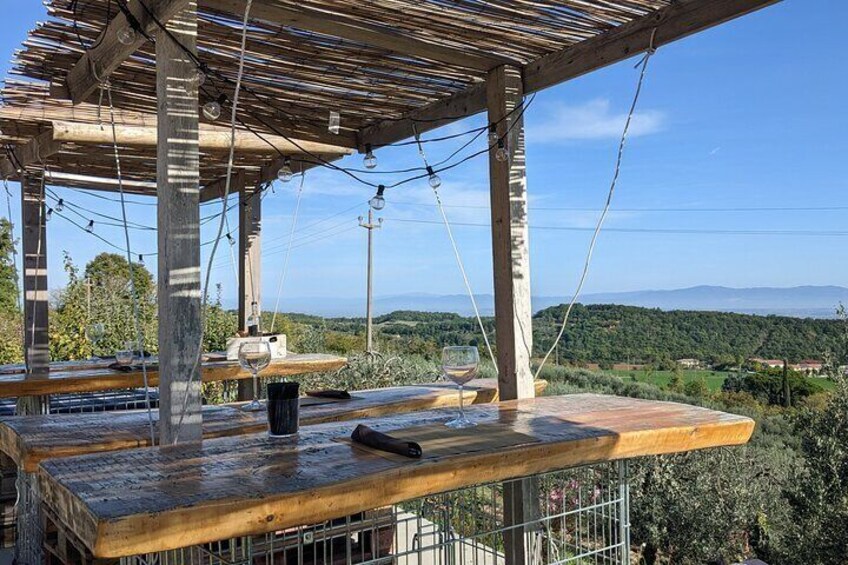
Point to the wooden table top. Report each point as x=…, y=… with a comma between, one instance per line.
x=28, y=440
x=143, y=500
x=77, y=379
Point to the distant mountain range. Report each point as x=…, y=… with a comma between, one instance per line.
x=799, y=301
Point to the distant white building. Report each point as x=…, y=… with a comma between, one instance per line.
x=689, y=363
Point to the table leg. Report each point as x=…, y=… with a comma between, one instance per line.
x=29, y=538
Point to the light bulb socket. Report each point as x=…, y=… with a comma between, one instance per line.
x=90, y=227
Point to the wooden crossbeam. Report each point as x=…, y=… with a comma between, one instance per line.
x=32, y=153
x=89, y=182
x=679, y=20
x=108, y=53
x=211, y=138
x=346, y=27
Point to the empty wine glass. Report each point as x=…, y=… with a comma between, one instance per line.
x=460, y=365
x=254, y=356
x=95, y=334
x=125, y=357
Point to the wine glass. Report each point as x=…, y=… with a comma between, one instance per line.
x=95, y=334
x=460, y=364
x=254, y=356
x=125, y=357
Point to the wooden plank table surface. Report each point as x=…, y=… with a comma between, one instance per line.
x=93, y=380
x=154, y=499
x=28, y=440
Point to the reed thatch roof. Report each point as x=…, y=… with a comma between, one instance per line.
x=383, y=65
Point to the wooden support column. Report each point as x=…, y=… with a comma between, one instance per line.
x=34, y=240
x=178, y=189
x=250, y=253
x=513, y=313
x=250, y=257
x=510, y=242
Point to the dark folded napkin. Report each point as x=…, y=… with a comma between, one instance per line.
x=384, y=442
x=337, y=394
x=122, y=368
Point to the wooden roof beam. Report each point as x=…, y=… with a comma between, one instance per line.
x=108, y=53
x=344, y=27
x=679, y=20
x=211, y=139
x=32, y=153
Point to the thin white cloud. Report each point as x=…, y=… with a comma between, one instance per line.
x=594, y=119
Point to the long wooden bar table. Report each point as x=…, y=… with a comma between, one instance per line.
x=28, y=440
x=93, y=380
x=147, y=500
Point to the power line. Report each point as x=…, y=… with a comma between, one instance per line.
x=811, y=233
x=660, y=210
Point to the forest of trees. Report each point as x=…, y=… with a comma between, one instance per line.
x=610, y=334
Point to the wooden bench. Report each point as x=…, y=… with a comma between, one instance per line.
x=155, y=499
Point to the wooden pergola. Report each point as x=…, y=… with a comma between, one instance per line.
x=389, y=69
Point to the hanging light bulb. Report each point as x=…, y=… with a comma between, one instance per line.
x=127, y=35
x=285, y=173
x=378, y=201
x=49, y=215
x=493, y=134
x=334, y=125
x=60, y=205
x=212, y=110
x=370, y=161
x=199, y=78
x=141, y=260
x=90, y=227
x=435, y=181
x=231, y=239
x=501, y=154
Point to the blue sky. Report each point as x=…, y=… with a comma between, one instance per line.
x=746, y=116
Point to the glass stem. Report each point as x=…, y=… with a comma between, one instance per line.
x=255, y=387
x=461, y=404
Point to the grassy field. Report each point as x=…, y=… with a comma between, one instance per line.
x=713, y=379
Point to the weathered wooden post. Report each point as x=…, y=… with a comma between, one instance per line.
x=250, y=258
x=177, y=176
x=513, y=313
x=34, y=241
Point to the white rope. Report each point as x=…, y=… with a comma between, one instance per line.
x=205, y=294
x=457, y=254
x=232, y=254
x=288, y=250
x=644, y=64
x=465, y=279
x=139, y=331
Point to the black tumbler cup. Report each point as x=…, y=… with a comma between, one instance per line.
x=283, y=409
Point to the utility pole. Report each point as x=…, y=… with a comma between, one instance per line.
x=370, y=226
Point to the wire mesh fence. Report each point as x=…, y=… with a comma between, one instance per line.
x=576, y=517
